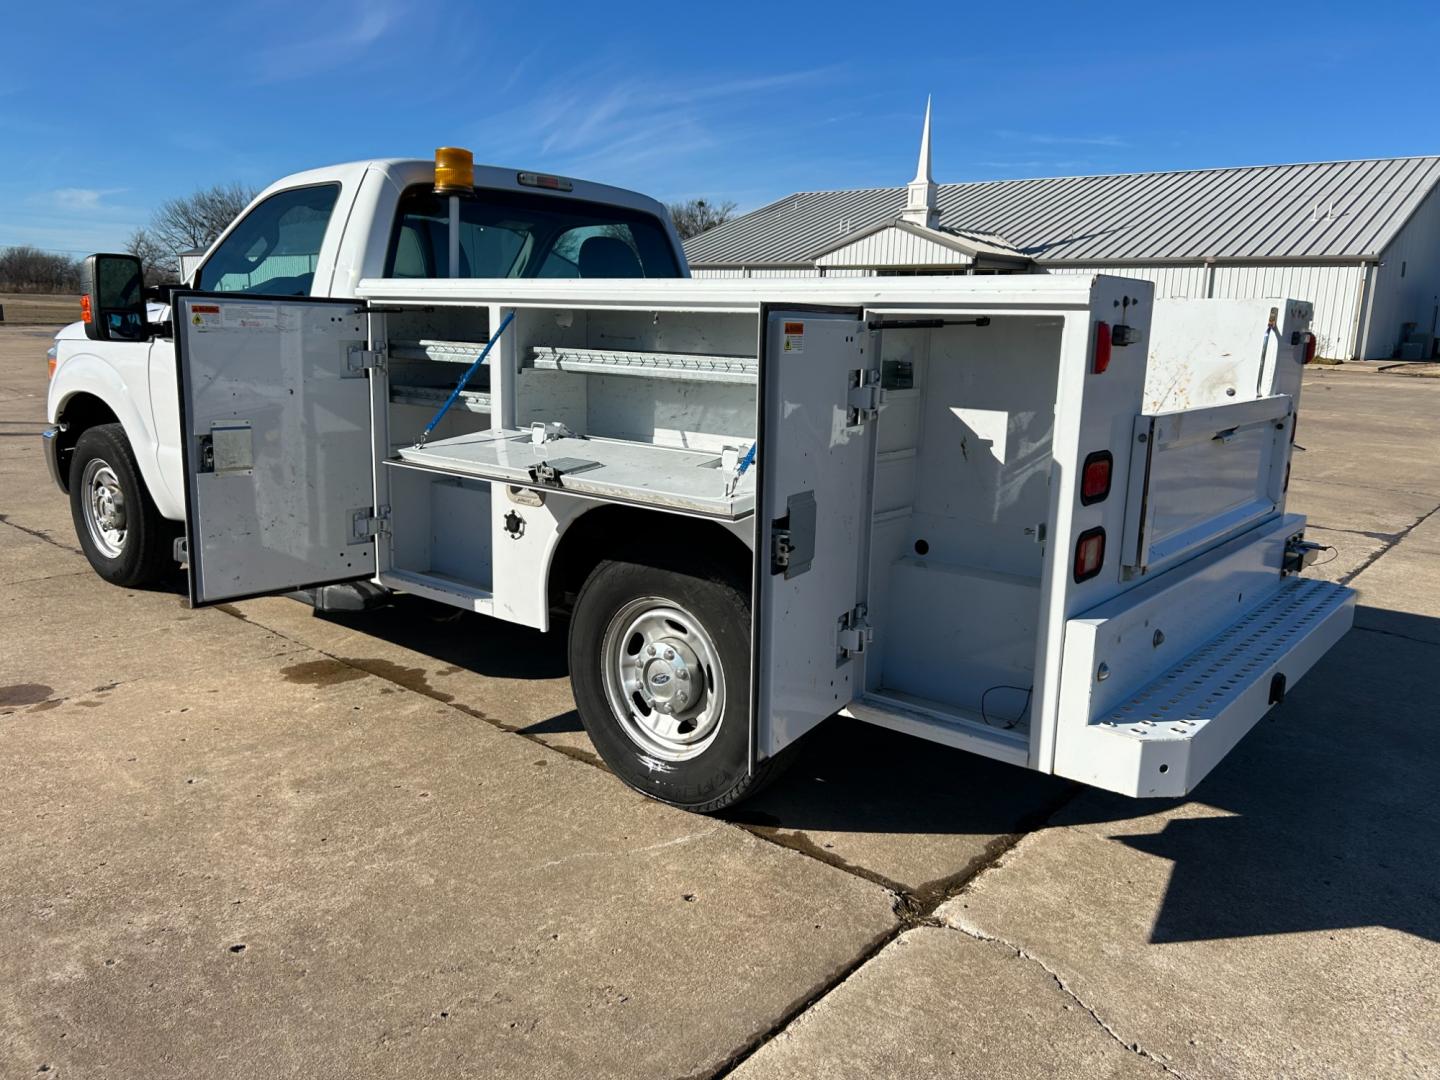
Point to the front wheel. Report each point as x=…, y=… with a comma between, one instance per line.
x=120, y=530
x=660, y=667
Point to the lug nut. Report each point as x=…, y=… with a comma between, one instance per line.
x=669, y=654
x=651, y=650
x=682, y=675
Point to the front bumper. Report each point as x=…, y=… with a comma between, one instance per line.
x=50, y=437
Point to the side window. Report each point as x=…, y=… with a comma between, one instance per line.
x=276, y=247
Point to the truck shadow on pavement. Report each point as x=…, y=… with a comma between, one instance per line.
x=1326, y=816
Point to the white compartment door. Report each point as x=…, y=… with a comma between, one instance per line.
x=275, y=424
x=819, y=386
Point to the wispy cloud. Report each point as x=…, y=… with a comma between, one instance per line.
x=331, y=36
x=1036, y=138
x=81, y=200
x=617, y=123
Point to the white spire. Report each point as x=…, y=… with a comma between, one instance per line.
x=920, y=194
x=922, y=169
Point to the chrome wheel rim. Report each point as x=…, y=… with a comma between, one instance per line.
x=663, y=678
x=104, y=503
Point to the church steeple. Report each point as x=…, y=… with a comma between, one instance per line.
x=920, y=206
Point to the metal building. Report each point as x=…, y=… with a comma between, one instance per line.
x=1360, y=239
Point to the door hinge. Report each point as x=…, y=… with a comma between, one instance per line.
x=854, y=633
x=864, y=396
x=366, y=524
x=359, y=359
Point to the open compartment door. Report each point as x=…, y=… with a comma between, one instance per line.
x=275, y=422
x=819, y=396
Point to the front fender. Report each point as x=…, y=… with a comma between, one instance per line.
x=88, y=373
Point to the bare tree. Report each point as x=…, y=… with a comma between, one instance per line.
x=695, y=216
x=27, y=269
x=193, y=221
x=153, y=257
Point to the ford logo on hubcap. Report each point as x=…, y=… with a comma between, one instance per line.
x=659, y=680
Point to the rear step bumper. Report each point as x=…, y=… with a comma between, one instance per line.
x=1159, y=683
x=1180, y=725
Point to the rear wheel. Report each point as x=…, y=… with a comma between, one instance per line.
x=660, y=667
x=120, y=530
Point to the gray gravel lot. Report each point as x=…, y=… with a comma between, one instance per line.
x=249, y=841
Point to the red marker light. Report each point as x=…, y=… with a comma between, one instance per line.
x=1089, y=553
x=1095, y=477
x=1102, y=348
x=1309, y=342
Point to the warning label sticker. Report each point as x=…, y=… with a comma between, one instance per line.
x=205, y=316
x=248, y=316
x=794, y=337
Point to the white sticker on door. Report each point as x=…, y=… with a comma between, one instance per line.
x=248, y=316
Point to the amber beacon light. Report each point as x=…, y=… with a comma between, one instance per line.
x=454, y=171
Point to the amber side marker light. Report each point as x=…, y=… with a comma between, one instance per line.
x=86, y=315
x=454, y=171
x=50, y=360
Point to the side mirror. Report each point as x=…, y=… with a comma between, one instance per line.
x=112, y=298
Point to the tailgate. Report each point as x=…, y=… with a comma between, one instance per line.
x=1160, y=683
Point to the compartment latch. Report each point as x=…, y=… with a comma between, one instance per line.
x=792, y=537
x=854, y=634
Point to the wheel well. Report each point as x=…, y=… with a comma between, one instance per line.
x=78, y=415
x=652, y=537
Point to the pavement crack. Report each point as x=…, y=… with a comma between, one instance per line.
x=1401, y=535
x=1029, y=957
x=673, y=842
x=39, y=534
x=1394, y=634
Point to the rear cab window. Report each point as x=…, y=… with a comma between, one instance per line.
x=275, y=248
x=512, y=234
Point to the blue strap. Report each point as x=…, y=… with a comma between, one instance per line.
x=746, y=461
x=469, y=374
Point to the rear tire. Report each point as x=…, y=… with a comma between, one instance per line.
x=660, y=668
x=120, y=530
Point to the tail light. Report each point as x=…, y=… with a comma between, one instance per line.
x=1089, y=553
x=1307, y=342
x=1101, y=359
x=50, y=360
x=1095, y=477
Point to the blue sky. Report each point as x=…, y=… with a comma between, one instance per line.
x=105, y=112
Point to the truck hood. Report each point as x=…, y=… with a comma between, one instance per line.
x=154, y=312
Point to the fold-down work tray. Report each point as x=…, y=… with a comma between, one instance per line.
x=662, y=476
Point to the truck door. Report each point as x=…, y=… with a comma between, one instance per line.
x=819, y=396
x=275, y=424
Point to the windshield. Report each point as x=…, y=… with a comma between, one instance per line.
x=519, y=235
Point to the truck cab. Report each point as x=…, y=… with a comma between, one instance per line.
x=318, y=234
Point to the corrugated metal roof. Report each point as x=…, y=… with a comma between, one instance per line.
x=1322, y=210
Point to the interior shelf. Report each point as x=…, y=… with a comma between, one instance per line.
x=449, y=352
x=477, y=401
x=690, y=367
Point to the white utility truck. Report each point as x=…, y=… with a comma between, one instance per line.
x=1037, y=517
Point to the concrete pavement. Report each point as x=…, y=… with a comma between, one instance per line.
x=250, y=841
